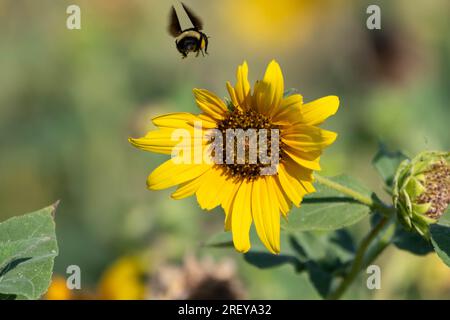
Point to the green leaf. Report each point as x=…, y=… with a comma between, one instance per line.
x=445, y=219
x=258, y=255
x=440, y=238
x=321, y=279
x=332, y=251
x=324, y=255
x=265, y=260
x=27, y=250
x=395, y=233
x=328, y=209
x=220, y=240
x=411, y=242
x=262, y=259
x=386, y=163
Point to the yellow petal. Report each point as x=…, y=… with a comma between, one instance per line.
x=275, y=213
x=299, y=172
x=209, y=194
x=187, y=189
x=205, y=121
x=159, y=141
x=170, y=174
x=138, y=143
x=308, y=187
x=294, y=187
x=308, y=138
x=308, y=160
x=165, y=139
x=209, y=103
x=269, y=91
x=266, y=214
x=289, y=111
x=233, y=96
x=242, y=88
x=303, y=176
x=228, y=195
x=174, y=120
x=283, y=199
x=289, y=185
x=317, y=111
x=242, y=217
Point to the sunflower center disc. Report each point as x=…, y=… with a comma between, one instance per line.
x=245, y=120
x=437, y=192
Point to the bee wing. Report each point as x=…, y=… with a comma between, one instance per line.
x=174, y=24
x=196, y=21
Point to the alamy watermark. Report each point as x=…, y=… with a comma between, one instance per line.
x=73, y=281
x=234, y=146
x=374, y=280
x=374, y=20
x=73, y=21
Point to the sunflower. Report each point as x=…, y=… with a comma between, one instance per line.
x=244, y=193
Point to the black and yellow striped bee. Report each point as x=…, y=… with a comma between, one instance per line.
x=189, y=40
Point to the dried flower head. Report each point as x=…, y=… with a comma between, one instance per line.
x=422, y=190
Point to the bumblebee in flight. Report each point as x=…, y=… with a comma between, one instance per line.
x=189, y=40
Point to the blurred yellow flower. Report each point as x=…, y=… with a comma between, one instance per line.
x=435, y=279
x=245, y=194
x=123, y=280
x=58, y=290
x=265, y=24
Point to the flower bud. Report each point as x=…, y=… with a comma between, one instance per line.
x=422, y=190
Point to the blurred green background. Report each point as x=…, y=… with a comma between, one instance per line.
x=69, y=99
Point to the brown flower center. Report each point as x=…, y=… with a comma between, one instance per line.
x=437, y=193
x=258, y=131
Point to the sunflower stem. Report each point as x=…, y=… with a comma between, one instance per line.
x=373, y=202
x=360, y=261
x=343, y=189
x=360, y=257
